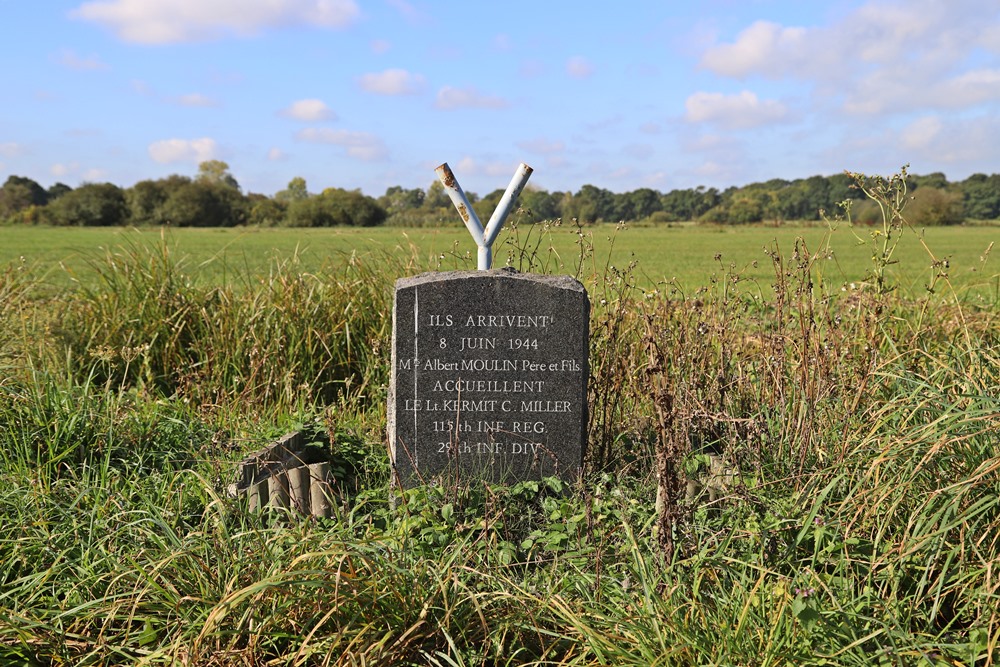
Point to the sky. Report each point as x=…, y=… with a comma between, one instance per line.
x=376, y=93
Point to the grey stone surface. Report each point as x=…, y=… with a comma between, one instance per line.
x=489, y=376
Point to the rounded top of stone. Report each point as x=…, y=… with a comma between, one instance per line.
x=505, y=273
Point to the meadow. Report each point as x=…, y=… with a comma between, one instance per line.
x=792, y=458
x=686, y=253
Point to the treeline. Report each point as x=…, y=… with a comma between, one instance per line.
x=213, y=198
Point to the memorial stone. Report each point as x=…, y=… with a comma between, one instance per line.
x=489, y=377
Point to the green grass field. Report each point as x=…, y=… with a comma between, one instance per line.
x=778, y=471
x=684, y=253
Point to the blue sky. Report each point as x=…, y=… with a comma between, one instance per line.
x=368, y=94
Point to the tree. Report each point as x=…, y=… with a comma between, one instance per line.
x=805, y=198
x=216, y=172
x=689, y=204
x=201, y=203
x=145, y=200
x=14, y=198
x=485, y=206
x=935, y=206
x=39, y=197
x=539, y=204
x=356, y=208
x=932, y=180
x=981, y=195
x=334, y=207
x=436, y=197
x=295, y=191
x=745, y=208
x=590, y=204
x=842, y=189
x=91, y=204
x=264, y=211
x=637, y=205
x=18, y=194
x=397, y=199
x=57, y=190
x=718, y=214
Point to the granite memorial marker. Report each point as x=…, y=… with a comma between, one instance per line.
x=489, y=376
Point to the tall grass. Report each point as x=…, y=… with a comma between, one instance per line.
x=802, y=474
x=276, y=341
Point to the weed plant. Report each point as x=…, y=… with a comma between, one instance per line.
x=804, y=472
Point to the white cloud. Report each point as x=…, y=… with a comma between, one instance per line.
x=740, y=111
x=717, y=158
x=542, y=146
x=140, y=87
x=605, y=124
x=196, y=100
x=920, y=133
x=380, y=46
x=392, y=82
x=893, y=89
x=310, y=110
x=95, y=175
x=883, y=57
x=10, y=149
x=579, y=67
x=183, y=150
x=472, y=167
x=530, y=69
x=763, y=48
x=876, y=92
x=360, y=145
x=970, y=144
x=708, y=143
x=64, y=171
x=971, y=88
x=989, y=38
x=883, y=32
x=171, y=21
x=622, y=174
x=716, y=170
x=975, y=86
x=407, y=11
x=658, y=180
x=639, y=151
x=467, y=98
x=60, y=170
x=275, y=154
x=68, y=58
x=77, y=132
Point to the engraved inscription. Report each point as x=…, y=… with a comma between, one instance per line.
x=489, y=376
